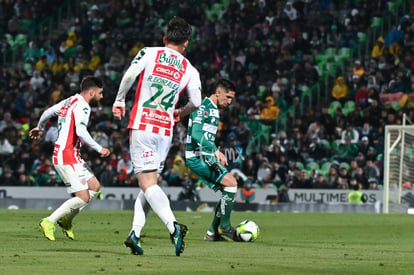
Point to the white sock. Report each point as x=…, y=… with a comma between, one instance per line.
x=75, y=212
x=161, y=206
x=92, y=194
x=67, y=207
x=140, y=215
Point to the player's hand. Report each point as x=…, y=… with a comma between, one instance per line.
x=176, y=115
x=35, y=133
x=105, y=152
x=118, y=112
x=221, y=158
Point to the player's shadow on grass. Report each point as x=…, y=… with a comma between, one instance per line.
x=79, y=250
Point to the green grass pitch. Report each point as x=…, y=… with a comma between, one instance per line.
x=289, y=243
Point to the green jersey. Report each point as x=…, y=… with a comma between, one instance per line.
x=202, y=129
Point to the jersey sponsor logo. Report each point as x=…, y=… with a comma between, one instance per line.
x=64, y=110
x=214, y=112
x=148, y=154
x=210, y=128
x=169, y=66
x=156, y=117
x=167, y=72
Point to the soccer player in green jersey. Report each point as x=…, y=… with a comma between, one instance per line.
x=208, y=163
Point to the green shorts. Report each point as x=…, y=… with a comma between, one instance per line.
x=208, y=170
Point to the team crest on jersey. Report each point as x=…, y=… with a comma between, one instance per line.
x=205, y=114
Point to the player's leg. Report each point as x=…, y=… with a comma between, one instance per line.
x=140, y=215
x=138, y=222
x=84, y=172
x=212, y=233
x=160, y=204
x=229, y=184
x=74, y=178
x=208, y=170
x=148, y=152
x=48, y=224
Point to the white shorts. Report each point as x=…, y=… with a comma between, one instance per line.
x=75, y=176
x=148, y=151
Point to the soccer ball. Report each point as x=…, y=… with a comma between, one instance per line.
x=247, y=231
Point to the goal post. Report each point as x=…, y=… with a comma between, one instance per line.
x=398, y=168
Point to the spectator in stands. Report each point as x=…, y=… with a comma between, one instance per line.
x=109, y=176
x=373, y=184
x=340, y=90
x=248, y=169
x=304, y=181
x=350, y=131
x=407, y=186
x=332, y=18
x=358, y=69
x=344, y=176
x=5, y=147
x=54, y=180
x=125, y=168
x=8, y=178
x=364, y=145
x=379, y=48
x=36, y=81
x=264, y=174
x=320, y=181
x=347, y=151
x=348, y=37
x=393, y=42
x=332, y=179
x=371, y=171
x=361, y=97
x=270, y=112
x=6, y=121
x=247, y=193
x=333, y=38
x=24, y=180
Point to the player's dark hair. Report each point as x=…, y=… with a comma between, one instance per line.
x=89, y=82
x=178, y=31
x=226, y=84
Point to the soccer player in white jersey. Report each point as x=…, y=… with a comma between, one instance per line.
x=73, y=116
x=164, y=73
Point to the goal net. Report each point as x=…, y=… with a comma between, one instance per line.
x=398, y=168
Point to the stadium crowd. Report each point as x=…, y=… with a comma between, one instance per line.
x=267, y=48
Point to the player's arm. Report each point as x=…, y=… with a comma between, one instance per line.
x=128, y=79
x=81, y=117
x=52, y=111
x=202, y=137
x=86, y=138
x=194, y=97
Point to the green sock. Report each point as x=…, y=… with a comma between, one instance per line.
x=216, y=220
x=226, y=206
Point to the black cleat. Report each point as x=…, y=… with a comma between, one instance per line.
x=214, y=238
x=229, y=234
x=134, y=244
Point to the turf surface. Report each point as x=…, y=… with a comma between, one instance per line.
x=289, y=243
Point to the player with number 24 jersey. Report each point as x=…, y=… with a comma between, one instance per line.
x=164, y=75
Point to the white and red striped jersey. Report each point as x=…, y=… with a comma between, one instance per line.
x=73, y=117
x=163, y=76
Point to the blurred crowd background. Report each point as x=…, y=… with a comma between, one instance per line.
x=317, y=82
